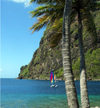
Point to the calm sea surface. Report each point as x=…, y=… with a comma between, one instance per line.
x=17, y=93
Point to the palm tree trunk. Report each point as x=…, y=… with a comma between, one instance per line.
x=83, y=79
x=68, y=75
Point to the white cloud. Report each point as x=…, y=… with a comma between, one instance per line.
x=26, y=2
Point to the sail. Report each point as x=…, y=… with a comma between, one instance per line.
x=52, y=77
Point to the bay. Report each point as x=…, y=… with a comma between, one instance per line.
x=16, y=93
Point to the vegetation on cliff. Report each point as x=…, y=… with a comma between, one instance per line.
x=79, y=11
x=45, y=58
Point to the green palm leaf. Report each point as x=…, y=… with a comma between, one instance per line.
x=42, y=21
x=52, y=11
x=47, y=1
x=48, y=9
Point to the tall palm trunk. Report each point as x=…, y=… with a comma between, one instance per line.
x=68, y=75
x=83, y=79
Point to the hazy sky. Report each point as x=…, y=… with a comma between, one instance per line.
x=17, y=41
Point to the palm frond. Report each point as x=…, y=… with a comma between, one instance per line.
x=57, y=24
x=55, y=34
x=47, y=1
x=42, y=21
x=48, y=9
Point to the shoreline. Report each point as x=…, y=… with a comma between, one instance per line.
x=56, y=79
x=46, y=79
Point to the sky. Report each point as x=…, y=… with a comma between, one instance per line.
x=18, y=44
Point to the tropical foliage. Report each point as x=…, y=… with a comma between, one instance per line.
x=49, y=15
x=52, y=11
x=92, y=64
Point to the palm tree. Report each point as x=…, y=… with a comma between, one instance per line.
x=89, y=24
x=83, y=83
x=51, y=17
x=83, y=6
x=66, y=54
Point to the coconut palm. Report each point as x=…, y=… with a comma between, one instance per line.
x=51, y=18
x=51, y=11
x=85, y=15
x=87, y=19
x=66, y=54
x=83, y=83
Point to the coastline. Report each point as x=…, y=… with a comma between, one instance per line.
x=59, y=79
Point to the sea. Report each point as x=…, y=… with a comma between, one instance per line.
x=16, y=93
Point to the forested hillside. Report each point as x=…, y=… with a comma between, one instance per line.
x=46, y=58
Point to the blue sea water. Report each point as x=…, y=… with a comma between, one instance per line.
x=17, y=93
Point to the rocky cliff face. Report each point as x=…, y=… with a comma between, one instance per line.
x=45, y=58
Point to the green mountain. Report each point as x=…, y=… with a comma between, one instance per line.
x=45, y=58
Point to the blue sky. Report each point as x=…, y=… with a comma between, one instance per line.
x=17, y=41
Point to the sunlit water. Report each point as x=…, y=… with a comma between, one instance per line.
x=38, y=94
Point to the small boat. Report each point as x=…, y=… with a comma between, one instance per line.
x=53, y=79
